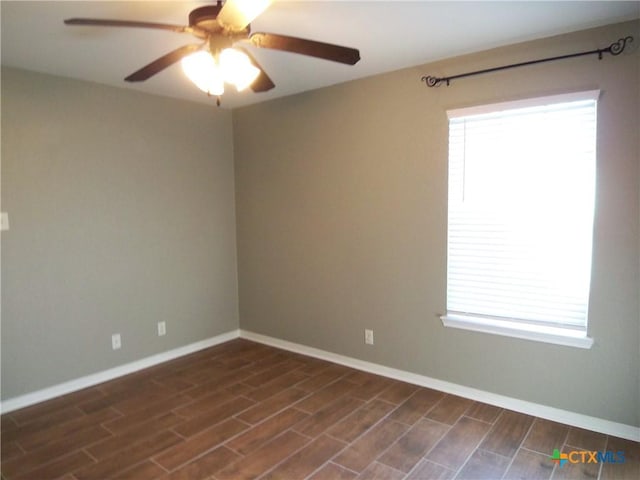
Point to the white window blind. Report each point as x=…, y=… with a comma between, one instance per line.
x=521, y=205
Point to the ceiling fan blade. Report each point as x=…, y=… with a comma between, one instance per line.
x=126, y=23
x=237, y=14
x=262, y=83
x=161, y=63
x=327, y=51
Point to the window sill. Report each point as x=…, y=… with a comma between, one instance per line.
x=558, y=336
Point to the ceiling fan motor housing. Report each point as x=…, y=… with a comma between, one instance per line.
x=206, y=18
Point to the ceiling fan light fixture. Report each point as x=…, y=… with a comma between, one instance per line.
x=201, y=68
x=237, y=68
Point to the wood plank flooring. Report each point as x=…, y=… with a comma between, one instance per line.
x=243, y=410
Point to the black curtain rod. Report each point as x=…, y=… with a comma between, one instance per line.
x=616, y=48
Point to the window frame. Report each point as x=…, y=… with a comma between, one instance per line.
x=518, y=328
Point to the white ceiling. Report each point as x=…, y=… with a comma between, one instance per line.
x=389, y=34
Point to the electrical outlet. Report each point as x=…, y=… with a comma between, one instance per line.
x=162, y=329
x=4, y=221
x=116, y=341
x=368, y=336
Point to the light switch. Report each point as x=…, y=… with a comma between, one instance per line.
x=4, y=220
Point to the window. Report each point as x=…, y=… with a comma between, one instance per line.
x=521, y=206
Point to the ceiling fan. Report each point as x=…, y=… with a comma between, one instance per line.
x=220, y=56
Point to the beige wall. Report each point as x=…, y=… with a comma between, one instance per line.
x=121, y=209
x=341, y=225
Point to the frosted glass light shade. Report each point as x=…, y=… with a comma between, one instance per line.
x=202, y=70
x=237, y=68
x=242, y=12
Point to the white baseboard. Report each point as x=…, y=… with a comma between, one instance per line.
x=550, y=413
x=106, y=375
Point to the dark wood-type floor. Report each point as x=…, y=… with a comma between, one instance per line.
x=242, y=410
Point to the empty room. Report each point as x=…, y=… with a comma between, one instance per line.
x=263, y=239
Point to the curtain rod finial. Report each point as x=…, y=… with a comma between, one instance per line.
x=433, y=81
